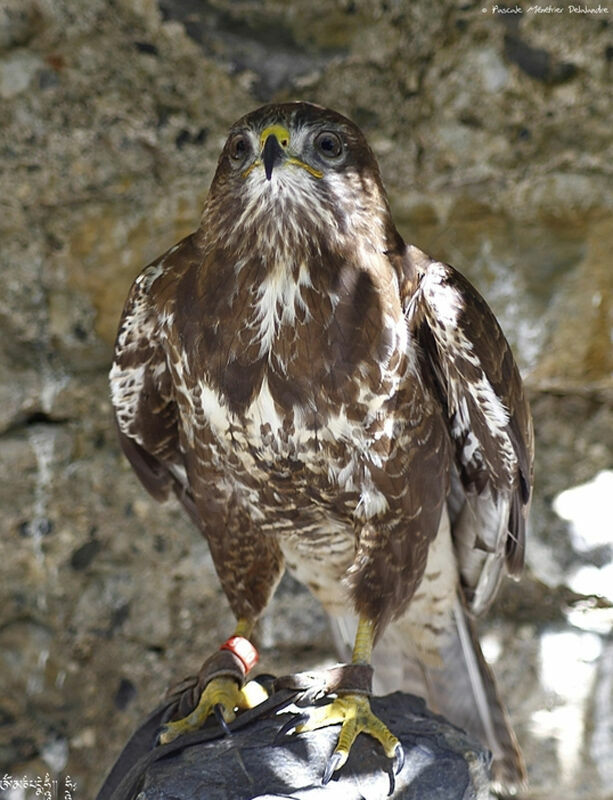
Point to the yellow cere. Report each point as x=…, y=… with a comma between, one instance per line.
x=281, y=134
x=283, y=137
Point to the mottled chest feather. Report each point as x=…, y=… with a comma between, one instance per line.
x=312, y=383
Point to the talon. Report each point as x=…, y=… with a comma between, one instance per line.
x=355, y=715
x=398, y=758
x=335, y=762
x=293, y=722
x=218, y=709
x=220, y=697
x=392, y=784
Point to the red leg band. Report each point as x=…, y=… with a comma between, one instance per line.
x=243, y=650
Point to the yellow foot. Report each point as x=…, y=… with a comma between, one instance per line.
x=223, y=697
x=354, y=713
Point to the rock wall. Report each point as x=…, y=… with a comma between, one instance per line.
x=493, y=132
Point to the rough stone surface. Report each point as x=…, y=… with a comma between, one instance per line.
x=494, y=136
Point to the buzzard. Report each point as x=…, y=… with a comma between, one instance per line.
x=322, y=396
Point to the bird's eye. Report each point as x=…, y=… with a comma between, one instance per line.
x=329, y=144
x=238, y=147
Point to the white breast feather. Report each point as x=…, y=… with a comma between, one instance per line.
x=277, y=299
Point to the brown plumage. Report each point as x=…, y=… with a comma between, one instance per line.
x=320, y=395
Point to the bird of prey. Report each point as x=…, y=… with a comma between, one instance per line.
x=322, y=396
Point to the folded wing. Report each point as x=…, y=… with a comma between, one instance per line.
x=469, y=363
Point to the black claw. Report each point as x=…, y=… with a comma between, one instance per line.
x=398, y=758
x=222, y=723
x=293, y=722
x=392, y=778
x=333, y=762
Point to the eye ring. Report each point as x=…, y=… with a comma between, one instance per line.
x=238, y=148
x=329, y=144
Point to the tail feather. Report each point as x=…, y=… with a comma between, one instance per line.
x=462, y=688
x=465, y=691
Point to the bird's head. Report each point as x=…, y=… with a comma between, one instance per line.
x=294, y=171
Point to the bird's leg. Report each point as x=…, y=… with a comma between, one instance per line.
x=353, y=711
x=223, y=693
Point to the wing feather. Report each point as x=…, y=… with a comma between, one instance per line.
x=472, y=371
x=142, y=390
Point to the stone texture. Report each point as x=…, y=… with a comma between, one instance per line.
x=493, y=134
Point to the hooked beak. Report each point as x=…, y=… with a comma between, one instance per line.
x=274, y=150
x=272, y=154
